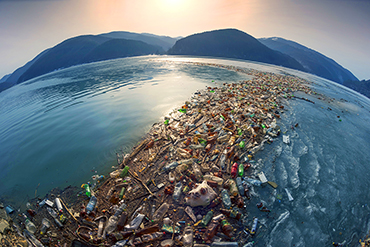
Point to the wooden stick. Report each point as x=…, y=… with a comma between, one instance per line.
x=68, y=209
x=146, y=187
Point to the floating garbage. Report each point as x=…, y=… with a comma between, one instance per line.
x=289, y=195
x=286, y=139
x=188, y=182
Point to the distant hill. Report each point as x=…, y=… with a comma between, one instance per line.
x=231, y=43
x=163, y=41
x=363, y=87
x=87, y=48
x=313, y=61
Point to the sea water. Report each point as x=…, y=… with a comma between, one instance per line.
x=64, y=127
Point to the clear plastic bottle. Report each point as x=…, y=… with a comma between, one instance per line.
x=113, y=220
x=177, y=191
x=91, y=205
x=45, y=224
x=223, y=160
x=224, y=244
x=253, y=181
x=29, y=225
x=233, y=188
x=218, y=180
x=226, y=199
x=197, y=172
x=161, y=211
x=135, y=223
x=187, y=238
x=240, y=186
x=55, y=216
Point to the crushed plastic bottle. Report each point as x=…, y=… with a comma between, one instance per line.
x=161, y=211
x=177, y=191
x=226, y=199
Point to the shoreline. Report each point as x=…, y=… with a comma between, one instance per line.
x=153, y=151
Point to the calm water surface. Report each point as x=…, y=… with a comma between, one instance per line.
x=64, y=127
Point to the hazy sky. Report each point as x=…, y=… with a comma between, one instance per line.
x=340, y=29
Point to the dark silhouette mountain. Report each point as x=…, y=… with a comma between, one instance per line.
x=163, y=41
x=117, y=48
x=313, y=61
x=87, y=48
x=231, y=43
x=363, y=87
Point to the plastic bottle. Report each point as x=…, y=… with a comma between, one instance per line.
x=135, y=223
x=187, y=238
x=240, y=186
x=31, y=238
x=218, y=180
x=250, y=244
x=87, y=189
x=242, y=144
x=190, y=212
x=177, y=191
x=253, y=181
x=234, y=170
x=224, y=244
x=113, y=220
x=29, y=225
x=124, y=171
x=223, y=160
x=226, y=199
x=170, y=166
x=226, y=228
x=123, y=190
x=254, y=226
x=55, y=216
x=241, y=170
x=197, y=172
x=207, y=218
x=91, y=205
x=161, y=211
x=171, y=177
x=233, y=189
x=59, y=205
x=45, y=224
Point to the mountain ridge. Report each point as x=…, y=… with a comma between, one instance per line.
x=313, y=61
x=230, y=43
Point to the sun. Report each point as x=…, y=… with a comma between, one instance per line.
x=172, y=4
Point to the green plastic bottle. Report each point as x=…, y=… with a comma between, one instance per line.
x=242, y=144
x=122, y=192
x=124, y=171
x=87, y=189
x=207, y=218
x=182, y=110
x=241, y=170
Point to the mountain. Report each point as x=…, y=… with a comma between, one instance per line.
x=313, y=61
x=86, y=48
x=363, y=87
x=89, y=48
x=163, y=41
x=231, y=43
